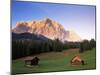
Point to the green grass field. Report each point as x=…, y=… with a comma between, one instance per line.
x=56, y=61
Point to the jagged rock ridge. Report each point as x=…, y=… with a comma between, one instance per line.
x=46, y=27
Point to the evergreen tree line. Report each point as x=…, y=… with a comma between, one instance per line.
x=87, y=45
x=22, y=48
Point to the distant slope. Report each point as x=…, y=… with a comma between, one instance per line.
x=28, y=36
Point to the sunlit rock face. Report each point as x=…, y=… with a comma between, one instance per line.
x=73, y=36
x=48, y=28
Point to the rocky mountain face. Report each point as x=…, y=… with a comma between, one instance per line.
x=73, y=36
x=47, y=28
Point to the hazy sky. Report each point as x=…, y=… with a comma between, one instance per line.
x=80, y=18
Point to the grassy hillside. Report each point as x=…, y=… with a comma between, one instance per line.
x=56, y=61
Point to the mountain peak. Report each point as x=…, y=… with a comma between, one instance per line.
x=48, y=19
x=46, y=27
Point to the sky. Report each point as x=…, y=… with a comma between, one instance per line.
x=79, y=18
